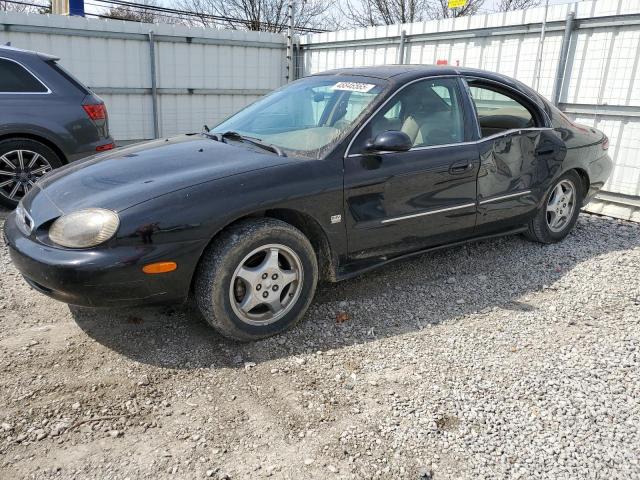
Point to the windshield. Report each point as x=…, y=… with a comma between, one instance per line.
x=309, y=116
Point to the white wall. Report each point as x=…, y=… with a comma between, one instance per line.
x=203, y=75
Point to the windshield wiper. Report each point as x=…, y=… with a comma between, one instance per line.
x=254, y=141
x=214, y=136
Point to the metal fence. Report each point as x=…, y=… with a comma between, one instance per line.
x=156, y=79
x=597, y=82
x=169, y=79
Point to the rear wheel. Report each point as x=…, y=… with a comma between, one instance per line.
x=559, y=211
x=256, y=280
x=22, y=163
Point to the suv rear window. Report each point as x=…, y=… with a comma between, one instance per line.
x=14, y=78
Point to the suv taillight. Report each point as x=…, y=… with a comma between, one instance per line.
x=96, y=111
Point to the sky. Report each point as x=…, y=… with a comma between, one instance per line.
x=490, y=5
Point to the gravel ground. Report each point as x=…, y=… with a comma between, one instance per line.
x=501, y=359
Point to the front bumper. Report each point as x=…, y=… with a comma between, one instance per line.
x=102, y=276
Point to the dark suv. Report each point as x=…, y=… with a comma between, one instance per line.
x=47, y=119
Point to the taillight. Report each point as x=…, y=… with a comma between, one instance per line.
x=96, y=111
x=104, y=148
x=605, y=143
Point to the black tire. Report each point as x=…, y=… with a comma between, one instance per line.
x=539, y=230
x=217, y=267
x=23, y=144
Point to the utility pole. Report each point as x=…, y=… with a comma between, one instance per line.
x=536, y=80
x=290, y=72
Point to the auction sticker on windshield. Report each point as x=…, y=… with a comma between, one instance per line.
x=353, y=86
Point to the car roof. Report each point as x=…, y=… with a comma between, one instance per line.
x=13, y=52
x=388, y=71
x=399, y=74
x=407, y=72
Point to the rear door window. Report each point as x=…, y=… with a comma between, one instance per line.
x=498, y=112
x=14, y=78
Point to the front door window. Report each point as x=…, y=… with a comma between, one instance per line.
x=428, y=111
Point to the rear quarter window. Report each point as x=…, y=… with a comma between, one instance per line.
x=68, y=77
x=14, y=78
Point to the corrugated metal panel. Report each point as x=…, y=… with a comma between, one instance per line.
x=602, y=74
x=624, y=135
x=188, y=113
x=108, y=55
x=130, y=116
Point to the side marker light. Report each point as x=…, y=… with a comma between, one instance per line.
x=160, y=267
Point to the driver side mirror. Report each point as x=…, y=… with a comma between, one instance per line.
x=390, y=141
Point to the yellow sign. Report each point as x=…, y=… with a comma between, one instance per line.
x=457, y=3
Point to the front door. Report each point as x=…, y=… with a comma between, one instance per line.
x=397, y=202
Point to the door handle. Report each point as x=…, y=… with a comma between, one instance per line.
x=545, y=152
x=460, y=167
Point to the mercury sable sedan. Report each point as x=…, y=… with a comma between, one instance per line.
x=325, y=178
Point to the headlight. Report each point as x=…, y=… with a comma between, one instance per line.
x=84, y=228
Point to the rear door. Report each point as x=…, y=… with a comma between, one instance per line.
x=398, y=202
x=517, y=151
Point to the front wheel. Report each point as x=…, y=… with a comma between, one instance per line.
x=256, y=280
x=559, y=211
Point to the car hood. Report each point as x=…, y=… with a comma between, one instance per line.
x=130, y=175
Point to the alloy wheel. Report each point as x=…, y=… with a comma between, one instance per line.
x=561, y=205
x=19, y=171
x=266, y=284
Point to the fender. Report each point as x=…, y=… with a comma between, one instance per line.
x=35, y=132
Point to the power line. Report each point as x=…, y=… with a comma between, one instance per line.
x=200, y=15
x=25, y=3
x=167, y=12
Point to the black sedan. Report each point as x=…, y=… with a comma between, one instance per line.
x=325, y=178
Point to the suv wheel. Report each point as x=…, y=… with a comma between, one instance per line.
x=256, y=280
x=22, y=163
